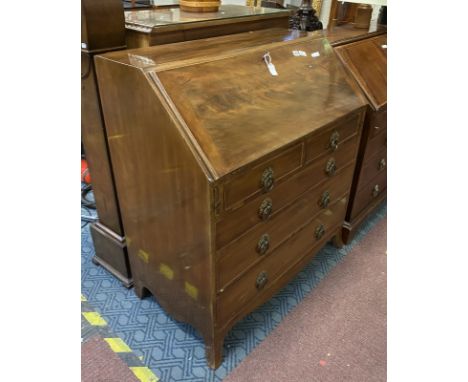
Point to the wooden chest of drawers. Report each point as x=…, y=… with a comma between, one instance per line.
x=366, y=61
x=230, y=178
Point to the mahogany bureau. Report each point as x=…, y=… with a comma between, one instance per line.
x=230, y=178
x=366, y=61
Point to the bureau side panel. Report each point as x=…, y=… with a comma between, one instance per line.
x=164, y=196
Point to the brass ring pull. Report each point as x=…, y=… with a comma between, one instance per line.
x=330, y=168
x=268, y=181
x=324, y=200
x=334, y=138
x=261, y=280
x=266, y=208
x=319, y=232
x=263, y=244
x=382, y=164
x=375, y=191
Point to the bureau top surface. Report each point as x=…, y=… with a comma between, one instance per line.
x=367, y=62
x=155, y=55
x=162, y=17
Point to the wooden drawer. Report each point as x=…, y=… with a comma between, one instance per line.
x=377, y=123
x=372, y=167
x=332, y=139
x=262, y=178
x=244, y=218
x=369, y=192
x=259, y=242
x=375, y=145
x=278, y=262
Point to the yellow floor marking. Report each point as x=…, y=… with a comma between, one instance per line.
x=83, y=298
x=144, y=374
x=118, y=345
x=94, y=318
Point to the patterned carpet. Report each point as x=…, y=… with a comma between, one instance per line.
x=173, y=350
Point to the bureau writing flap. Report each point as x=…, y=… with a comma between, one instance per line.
x=241, y=106
x=367, y=62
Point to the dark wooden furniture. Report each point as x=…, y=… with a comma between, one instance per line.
x=168, y=25
x=341, y=27
x=230, y=179
x=102, y=30
x=341, y=12
x=366, y=61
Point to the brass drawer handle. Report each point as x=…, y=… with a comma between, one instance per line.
x=268, y=181
x=334, y=138
x=319, y=232
x=324, y=200
x=375, y=191
x=266, y=208
x=263, y=244
x=382, y=164
x=330, y=168
x=262, y=279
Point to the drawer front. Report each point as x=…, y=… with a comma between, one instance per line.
x=263, y=275
x=376, y=144
x=262, y=178
x=377, y=123
x=372, y=167
x=369, y=192
x=244, y=218
x=332, y=139
x=259, y=242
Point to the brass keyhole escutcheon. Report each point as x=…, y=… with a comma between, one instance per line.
x=268, y=181
x=382, y=164
x=263, y=244
x=375, y=190
x=262, y=279
x=330, y=168
x=334, y=138
x=325, y=199
x=266, y=208
x=319, y=232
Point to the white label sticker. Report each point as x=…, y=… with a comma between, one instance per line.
x=272, y=69
x=269, y=64
x=315, y=54
x=384, y=46
x=84, y=45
